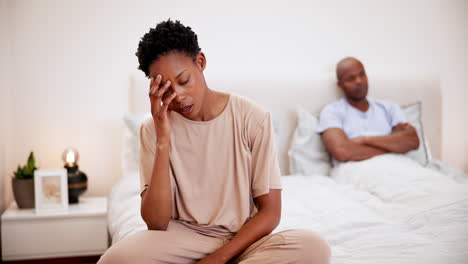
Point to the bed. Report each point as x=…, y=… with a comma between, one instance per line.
x=389, y=209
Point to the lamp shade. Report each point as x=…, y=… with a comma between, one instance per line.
x=70, y=157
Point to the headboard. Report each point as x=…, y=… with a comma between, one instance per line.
x=282, y=97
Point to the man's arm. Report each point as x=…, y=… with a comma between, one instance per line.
x=343, y=149
x=403, y=139
x=260, y=225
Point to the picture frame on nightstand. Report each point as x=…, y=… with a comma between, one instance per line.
x=51, y=191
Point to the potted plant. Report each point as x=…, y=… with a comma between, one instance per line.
x=23, y=183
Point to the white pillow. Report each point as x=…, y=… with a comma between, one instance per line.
x=131, y=142
x=307, y=154
x=413, y=113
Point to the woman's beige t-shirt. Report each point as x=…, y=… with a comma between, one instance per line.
x=217, y=167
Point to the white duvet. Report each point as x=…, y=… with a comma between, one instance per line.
x=363, y=222
x=430, y=203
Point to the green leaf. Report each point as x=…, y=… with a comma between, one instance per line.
x=31, y=161
x=17, y=173
x=26, y=172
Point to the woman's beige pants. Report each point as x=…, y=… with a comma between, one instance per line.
x=180, y=245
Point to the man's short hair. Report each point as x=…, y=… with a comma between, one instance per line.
x=166, y=37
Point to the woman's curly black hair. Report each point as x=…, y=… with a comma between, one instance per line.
x=167, y=36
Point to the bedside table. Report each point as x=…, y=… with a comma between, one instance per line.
x=81, y=231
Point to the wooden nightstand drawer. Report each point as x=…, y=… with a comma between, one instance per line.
x=82, y=231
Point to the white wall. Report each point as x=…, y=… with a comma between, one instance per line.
x=5, y=98
x=454, y=78
x=72, y=59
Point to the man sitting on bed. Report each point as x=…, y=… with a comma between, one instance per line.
x=357, y=128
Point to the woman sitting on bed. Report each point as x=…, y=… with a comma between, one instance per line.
x=211, y=190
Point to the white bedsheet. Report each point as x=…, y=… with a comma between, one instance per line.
x=430, y=203
x=402, y=183
x=360, y=226
x=123, y=217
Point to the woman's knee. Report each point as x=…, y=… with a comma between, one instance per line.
x=311, y=247
x=117, y=254
x=318, y=246
x=137, y=248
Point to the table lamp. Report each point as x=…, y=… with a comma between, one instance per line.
x=77, y=180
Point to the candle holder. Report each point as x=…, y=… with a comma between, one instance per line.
x=77, y=180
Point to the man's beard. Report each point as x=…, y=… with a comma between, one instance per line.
x=359, y=93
